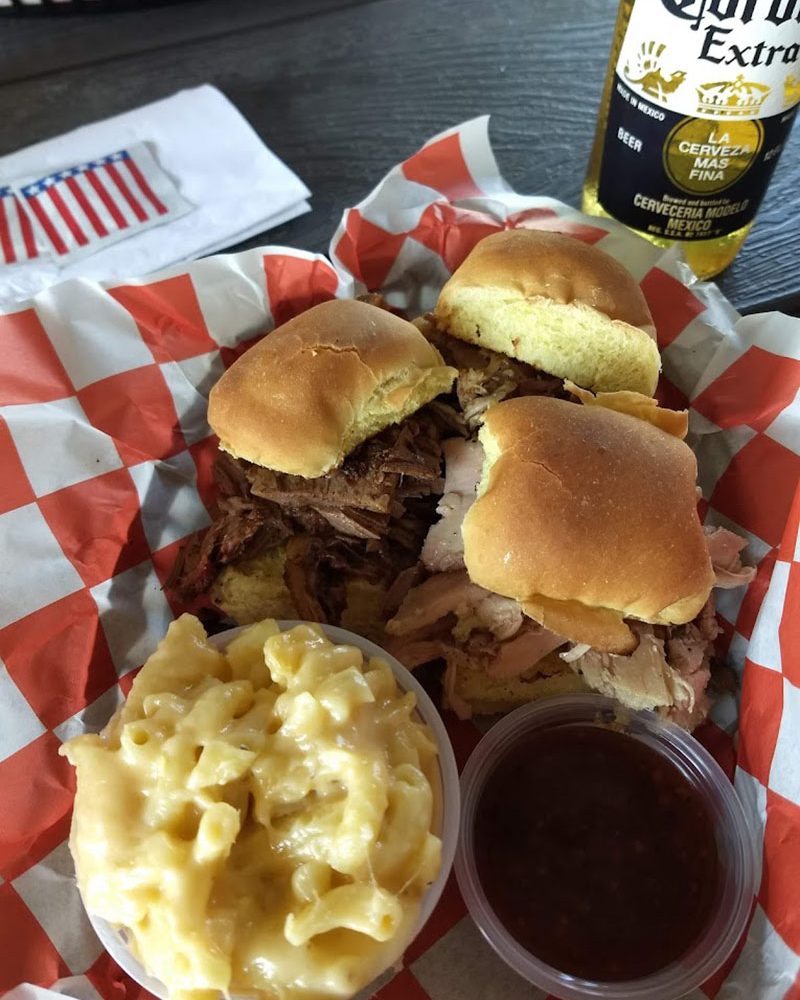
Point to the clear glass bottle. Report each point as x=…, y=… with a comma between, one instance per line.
x=698, y=102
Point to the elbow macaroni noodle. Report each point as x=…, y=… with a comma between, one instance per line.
x=260, y=819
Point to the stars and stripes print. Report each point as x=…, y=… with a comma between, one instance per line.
x=79, y=208
x=17, y=238
x=91, y=200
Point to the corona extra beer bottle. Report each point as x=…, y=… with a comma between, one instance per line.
x=698, y=103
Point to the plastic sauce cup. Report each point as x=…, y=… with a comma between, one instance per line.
x=735, y=845
x=115, y=940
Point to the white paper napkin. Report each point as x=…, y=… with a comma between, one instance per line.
x=236, y=186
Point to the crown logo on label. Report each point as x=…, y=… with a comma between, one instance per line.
x=791, y=91
x=737, y=98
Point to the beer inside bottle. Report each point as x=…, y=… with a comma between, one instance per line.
x=698, y=103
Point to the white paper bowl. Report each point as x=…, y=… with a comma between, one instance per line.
x=115, y=940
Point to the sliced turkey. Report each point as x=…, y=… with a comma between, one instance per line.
x=724, y=550
x=444, y=547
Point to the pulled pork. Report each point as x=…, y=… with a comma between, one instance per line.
x=486, y=377
x=366, y=519
x=449, y=617
x=243, y=526
x=668, y=672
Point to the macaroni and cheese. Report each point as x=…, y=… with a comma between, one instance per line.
x=260, y=820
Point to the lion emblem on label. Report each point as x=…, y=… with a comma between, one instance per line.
x=645, y=70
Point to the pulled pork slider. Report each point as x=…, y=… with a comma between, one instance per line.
x=610, y=528
x=329, y=471
x=528, y=309
x=581, y=560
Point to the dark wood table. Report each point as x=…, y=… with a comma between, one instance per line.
x=343, y=90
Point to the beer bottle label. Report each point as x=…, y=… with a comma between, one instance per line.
x=702, y=101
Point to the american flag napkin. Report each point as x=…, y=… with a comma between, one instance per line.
x=162, y=184
x=78, y=209
x=18, y=240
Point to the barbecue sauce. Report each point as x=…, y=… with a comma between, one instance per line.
x=596, y=853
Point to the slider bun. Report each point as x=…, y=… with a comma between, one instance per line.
x=253, y=589
x=487, y=695
x=587, y=516
x=559, y=304
x=314, y=389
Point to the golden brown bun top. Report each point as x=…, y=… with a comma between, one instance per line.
x=562, y=306
x=587, y=516
x=315, y=388
x=531, y=263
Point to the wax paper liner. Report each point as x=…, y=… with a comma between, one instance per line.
x=106, y=457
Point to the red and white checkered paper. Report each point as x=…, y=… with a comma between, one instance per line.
x=106, y=468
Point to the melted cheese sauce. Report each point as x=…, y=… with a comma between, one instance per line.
x=259, y=820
